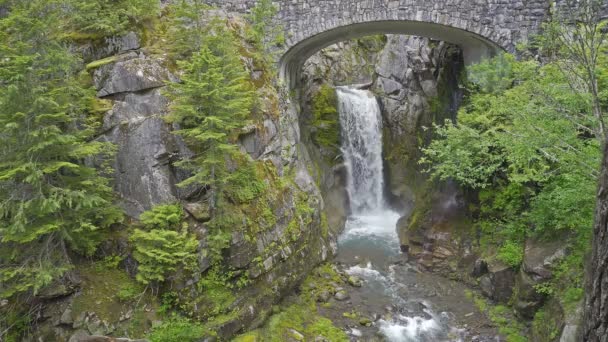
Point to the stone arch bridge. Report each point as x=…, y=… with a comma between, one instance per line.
x=479, y=27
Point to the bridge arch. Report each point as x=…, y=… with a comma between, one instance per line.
x=479, y=27
x=474, y=46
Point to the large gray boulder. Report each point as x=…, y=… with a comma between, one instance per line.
x=110, y=46
x=130, y=75
x=499, y=282
x=145, y=147
x=540, y=259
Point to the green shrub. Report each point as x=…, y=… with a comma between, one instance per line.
x=511, y=253
x=129, y=292
x=165, y=246
x=167, y=216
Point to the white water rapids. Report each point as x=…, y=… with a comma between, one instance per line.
x=370, y=235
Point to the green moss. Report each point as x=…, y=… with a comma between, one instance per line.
x=109, y=292
x=215, y=294
x=252, y=336
x=302, y=217
x=101, y=62
x=301, y=315
x=545, y=327
x=501, y=315
x=326, y=121
x=177, y=329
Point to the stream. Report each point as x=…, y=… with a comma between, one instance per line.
x=403, y=303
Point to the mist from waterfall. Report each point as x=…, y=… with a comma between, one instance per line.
x=361, y=125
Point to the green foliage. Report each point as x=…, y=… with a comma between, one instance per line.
x=165, y=246
x=186, y=27
x=168, y=216
x=493, y=76
x=101, y=18
x=215, y=77
x=244, y=184
x=511, y=253
x=50, y=200
x=532, y=159
x=216, y=295
x=177, y=329
x=302, y=315
x=500, y=315
x=545, y=327
x=326, y=120
x=263, y=34
x=129, y=292
x=108, y=263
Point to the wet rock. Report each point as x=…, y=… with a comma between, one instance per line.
x=341, y=295
x=56, y=290
x=354, y=281
x=323, y=296
x=66, y=316
x=356, y=332
x=200, y=211
x=480, y=267
x=365, y=322
x=321, y=339
x=499, y=282
x=572, y=322
x=541, y=257
x=295, y=335
x=539, y=261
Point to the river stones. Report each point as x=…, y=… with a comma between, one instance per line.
x=354, y=281
x=341, y=295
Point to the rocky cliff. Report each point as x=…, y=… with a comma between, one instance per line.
x=267, y=256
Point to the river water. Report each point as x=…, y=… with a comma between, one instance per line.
x=394, y=294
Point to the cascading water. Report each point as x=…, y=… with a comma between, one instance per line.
x=370, y=239
x=362, y=148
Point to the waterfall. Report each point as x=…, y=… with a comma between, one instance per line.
x=361, y=126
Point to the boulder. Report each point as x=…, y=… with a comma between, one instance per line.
x=142, y=171
x=540, y=258
x=110, y=46
x=480, y=267
x=499, y=282
x=131, y=75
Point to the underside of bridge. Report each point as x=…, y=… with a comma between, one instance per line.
x=474, y=46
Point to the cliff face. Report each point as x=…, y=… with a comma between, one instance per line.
x=270, y=259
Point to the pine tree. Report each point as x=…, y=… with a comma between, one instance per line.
x=100, y=18
x=186, y=27
x=211, y=102
x=164, y=245
x=51, y=202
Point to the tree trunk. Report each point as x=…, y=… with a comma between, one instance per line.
x=595, y=323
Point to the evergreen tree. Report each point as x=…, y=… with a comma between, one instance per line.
x=100, y=18
x=50, y=200
x=187, y=27
x=211, y=102
x=164, y=246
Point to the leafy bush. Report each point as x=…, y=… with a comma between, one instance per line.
x=165, y=246
x=511, y=253
x=164, y=217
